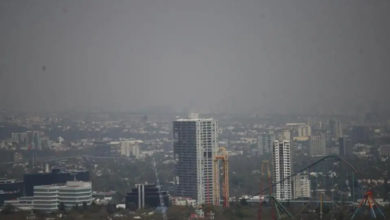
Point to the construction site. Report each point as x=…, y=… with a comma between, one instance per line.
x=357, y=201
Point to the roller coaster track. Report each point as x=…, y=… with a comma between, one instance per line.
x=336, y=157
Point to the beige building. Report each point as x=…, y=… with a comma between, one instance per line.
x=301, y=185
x=126, y=147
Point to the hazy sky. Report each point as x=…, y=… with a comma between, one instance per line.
x=320, y=56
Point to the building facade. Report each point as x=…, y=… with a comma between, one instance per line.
x=335, y=129
x=126, y=147
x=318, y=145
x=56, y=176
x=304, y=131
x=145, y=196
x=281, y=161
x=10, y=189
x=47, y=198
x=75, y=193
x=195, y=146
x=24, y=203
x=301, y=183
x=265, y=142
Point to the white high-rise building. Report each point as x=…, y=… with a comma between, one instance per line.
x=195, y=146
x=281, y=161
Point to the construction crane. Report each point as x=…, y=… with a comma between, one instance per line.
x=266, y=174
x=372, y=205
x=224, y=158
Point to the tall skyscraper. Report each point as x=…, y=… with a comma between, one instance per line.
x=195, y=146
x=281, y=161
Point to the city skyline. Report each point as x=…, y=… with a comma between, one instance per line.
x=199, y=110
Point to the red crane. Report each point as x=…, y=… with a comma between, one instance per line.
x=372, y=205
x=224, y=158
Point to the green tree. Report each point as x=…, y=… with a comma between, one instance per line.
x=8, y=209
x=61, y=207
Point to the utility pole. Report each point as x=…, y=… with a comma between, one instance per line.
x=321, y=206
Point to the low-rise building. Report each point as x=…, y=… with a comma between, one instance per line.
x=183, y=201
x=48, y=198
x=143, y=196
x=75, y=193
x=22, y=203
x=10, y=189
x=126, y=147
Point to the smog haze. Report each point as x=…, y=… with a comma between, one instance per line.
x=269, y=56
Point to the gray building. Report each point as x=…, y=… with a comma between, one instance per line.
x=318, y=145
x=265, y=142
x=195, y=146
x=301, y=183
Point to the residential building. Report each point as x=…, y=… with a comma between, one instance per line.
x=27, y=140
x=281, y=161
x=195, y=146
x=265, y=142
x=304, y=131
x=335, y=129
x=301, y=183
x=126, y=147
x=301, y=130
x=318, y=145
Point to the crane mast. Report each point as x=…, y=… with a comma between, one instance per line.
x=224, y=158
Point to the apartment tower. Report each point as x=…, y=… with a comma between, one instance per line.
x=195, y=146
x=281, y=161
